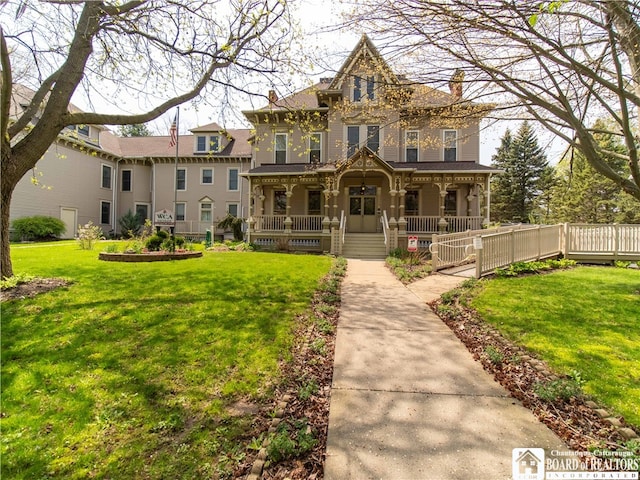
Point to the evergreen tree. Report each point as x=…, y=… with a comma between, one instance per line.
x=515, y=192
x=584, y=196
x=135, y=130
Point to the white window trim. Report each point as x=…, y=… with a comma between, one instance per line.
x=444, y=143
x=185, y=211
x=239, y=214
x=130, y=180
x=111, y=169
x=200, y=210
x=213, y=175
x=309, y=146
x=286, y=147
x=417, y=146
x=148, y=205
x=175, y=174
x=229, y=178
x=196, y=147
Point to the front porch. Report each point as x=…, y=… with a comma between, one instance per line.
x=316, y=233
x=318, y=207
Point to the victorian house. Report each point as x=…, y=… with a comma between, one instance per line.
x=360, y=162
x=355, y=165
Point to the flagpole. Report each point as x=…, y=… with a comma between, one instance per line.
x=175, y=185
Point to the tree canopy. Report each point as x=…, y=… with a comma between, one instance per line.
x=161, y=54
x=515, y=192
x=561, y=63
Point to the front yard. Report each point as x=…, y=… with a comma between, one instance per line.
x=151, y=370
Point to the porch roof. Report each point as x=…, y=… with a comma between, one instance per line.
x=434, y=167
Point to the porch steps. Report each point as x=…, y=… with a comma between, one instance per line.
x=364, y=245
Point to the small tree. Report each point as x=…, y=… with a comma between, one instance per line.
x=235, y=224
x=88, y=235
x=135, y=130
x=131, y=224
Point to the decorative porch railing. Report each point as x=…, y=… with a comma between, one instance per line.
x=276, y=223
x=430, y=224
x=598, y=242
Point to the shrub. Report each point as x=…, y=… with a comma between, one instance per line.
x=563, y=389
x=290, y=441
x=154, y=242
x=88, y=235
x=234, y=224
x=38, y=227
x=131, y=224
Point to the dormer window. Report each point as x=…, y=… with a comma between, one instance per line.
x=208, y=143
x=83, y=130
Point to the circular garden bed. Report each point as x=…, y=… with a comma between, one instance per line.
x=147, y=257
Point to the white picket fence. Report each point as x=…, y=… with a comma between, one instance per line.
x=496, y=248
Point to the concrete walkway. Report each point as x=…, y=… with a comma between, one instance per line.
x=408, y=400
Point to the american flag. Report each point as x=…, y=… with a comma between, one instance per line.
x=173, y=132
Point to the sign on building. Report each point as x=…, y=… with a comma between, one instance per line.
x=164, y=218
x=412, y=244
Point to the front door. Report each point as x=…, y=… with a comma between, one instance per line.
x=362, y=209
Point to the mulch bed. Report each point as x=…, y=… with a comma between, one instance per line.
x=575, y=422
x=32, y=288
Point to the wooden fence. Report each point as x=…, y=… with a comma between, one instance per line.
x=496, y=248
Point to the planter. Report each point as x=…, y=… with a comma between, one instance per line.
x=147, y=257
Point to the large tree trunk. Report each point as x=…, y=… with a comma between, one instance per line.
x=6, y=268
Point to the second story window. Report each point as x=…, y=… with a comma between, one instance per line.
x=280, y=148
x=353, y=139
x=181, y=179
x=373, y=138
x=83, y=130
x=232, y=184
x=206, y=176
x=450, y=141
x=411, y=146
x=315, y=147
x=106, y=177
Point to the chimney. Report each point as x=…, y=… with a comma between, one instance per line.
x=455, y=84
x=273, y=97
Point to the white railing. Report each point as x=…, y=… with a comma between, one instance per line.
x=191, y=226
x=598, y=241
x=385, y=227
x=453, y=249
x=500, y=249
x=430, y=224
x=276, y=223
x=343, y=228
x=306, y=223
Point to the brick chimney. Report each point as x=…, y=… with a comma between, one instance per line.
x=273, y=97
x=455, y=84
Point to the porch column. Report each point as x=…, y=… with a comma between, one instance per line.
x=470, y=198
x=250, y=219
x=335, y=221
x=392, y=218
x=326, y=221
x=487, y=201
x=287, y=221
x=442, y=223
x=402, y=222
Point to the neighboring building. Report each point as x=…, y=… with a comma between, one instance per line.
x=89, y=174
x=364, y=158
x=358, y=163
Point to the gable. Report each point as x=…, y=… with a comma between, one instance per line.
x=365, y=53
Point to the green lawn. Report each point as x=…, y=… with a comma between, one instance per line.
x=129, y=371
x=585, y=319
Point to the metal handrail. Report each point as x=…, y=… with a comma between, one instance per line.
x=342, y=227
x=385, y=225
